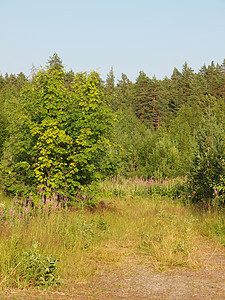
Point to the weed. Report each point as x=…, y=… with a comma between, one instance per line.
x=34, y=270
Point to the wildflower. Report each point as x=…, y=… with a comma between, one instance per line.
x=26, y=209
x=215, y=192
x=40, y=190
x=84, y=197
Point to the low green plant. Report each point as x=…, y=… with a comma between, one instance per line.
x=34, y=269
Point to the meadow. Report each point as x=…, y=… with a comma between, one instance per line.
x=44, y=244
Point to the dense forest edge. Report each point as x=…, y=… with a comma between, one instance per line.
x=61, y=131
x=73, y=146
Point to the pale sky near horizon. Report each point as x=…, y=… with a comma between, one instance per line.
x=130, y=35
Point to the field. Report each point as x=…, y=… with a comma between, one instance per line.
x=139, y=223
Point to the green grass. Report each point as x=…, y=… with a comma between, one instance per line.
x=86, y=241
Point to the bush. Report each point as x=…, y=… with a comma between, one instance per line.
x=207, y=175
x=37, y=270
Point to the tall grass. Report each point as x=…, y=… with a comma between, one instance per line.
x=140, y=186
x=138, y=218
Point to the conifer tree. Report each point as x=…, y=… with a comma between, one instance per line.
x=125, y=92
x=143, y=98
x=110, y=93
x=55, y=62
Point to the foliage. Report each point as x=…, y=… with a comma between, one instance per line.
x=3, y=132
x=134, y=139
x=37, y=270
x=58, y=140
x=57, y=132
x=207, y=175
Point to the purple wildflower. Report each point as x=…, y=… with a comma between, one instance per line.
x=40, y=190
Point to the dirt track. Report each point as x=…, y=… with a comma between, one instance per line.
x=135, y=278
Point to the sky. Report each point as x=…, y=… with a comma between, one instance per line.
x=128, y=35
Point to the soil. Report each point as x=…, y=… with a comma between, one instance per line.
x=136, y=278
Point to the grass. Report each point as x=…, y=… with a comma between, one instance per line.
x=134, y=221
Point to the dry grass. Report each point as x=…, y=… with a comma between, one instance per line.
x=87, y=242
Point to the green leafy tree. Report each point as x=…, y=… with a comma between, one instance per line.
x=134, y=139
x=58, y=140
x=165, y=158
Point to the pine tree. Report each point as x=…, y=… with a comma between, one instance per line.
x=125, y=92
x=144, y=98
x=110, y=93
x=187, y=81
x=176, y=92
x=55, y=62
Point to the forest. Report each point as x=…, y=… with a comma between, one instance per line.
x=93, y=172
x=61, y=131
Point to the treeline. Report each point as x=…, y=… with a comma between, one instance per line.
x=60, y=130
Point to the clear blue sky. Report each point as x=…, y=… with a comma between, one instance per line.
x=130, y=35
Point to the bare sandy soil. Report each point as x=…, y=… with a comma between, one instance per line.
x=135, y=278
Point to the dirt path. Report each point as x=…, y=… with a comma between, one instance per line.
x=135, y=278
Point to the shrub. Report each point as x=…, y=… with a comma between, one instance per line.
x=207, y=175
x=37, y=270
